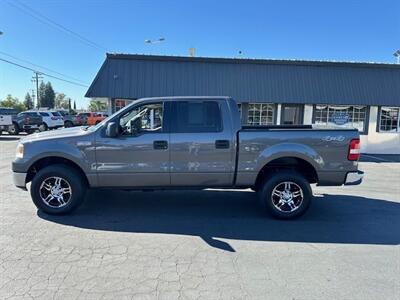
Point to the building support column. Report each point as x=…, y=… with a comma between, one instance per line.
x=278, y=114
x=308, y=113
x=245, y=113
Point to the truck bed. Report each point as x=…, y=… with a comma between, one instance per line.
x=325, y=150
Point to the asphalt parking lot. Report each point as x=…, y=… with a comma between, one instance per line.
x=204, y=244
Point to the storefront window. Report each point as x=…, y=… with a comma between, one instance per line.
x=389, y=119
x=348, y=116
x=120, y=103
x=261, y=114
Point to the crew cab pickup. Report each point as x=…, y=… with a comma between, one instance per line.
x=26, y=121
x=190, y=143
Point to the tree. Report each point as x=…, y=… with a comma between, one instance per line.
x=97, y=105
x=62, y=101
x=12, y=102
x=49, y=96
x=42, y=88
x=28, y=101
x=69, y=104
x=74, y=105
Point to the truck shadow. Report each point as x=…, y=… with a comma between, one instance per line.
x=215, y=214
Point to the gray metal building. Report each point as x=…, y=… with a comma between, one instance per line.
x=343, y=94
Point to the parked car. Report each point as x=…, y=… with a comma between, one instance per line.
x=82, y=118
x=6, y=115
x=51, y=120
x=186, y=142
x=95, y=118
x=71, y=120
x=26, y=121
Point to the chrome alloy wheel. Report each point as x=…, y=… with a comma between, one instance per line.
x=287, y=196
x=55, y=192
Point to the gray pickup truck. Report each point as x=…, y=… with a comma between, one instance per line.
x=185, y=142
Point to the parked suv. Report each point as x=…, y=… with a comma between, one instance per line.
x=72, y=120
x=51, y=120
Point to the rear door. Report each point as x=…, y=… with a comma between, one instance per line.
x=202, y=144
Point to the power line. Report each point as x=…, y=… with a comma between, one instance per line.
x=39, y=66
x=39, y=72
x=42, y=18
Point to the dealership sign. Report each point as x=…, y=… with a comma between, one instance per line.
x=340, y=118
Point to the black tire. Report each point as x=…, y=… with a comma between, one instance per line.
x=72, y=200
x=68, y=124
x=13, y=129
x=293, y=201
x=43, y=127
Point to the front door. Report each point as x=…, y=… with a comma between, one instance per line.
x=292, y=114
x=139, y=155
x=202, y=145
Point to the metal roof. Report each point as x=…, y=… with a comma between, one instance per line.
x=248, y=80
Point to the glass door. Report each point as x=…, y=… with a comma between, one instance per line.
x=292, y=114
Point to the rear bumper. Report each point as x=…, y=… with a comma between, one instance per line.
x=354, y=178
x=30, y=127
x=19, y=180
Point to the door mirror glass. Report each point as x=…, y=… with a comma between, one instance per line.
x=112, y=129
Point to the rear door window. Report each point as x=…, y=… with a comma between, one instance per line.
x=44, y=114
x=197, y=116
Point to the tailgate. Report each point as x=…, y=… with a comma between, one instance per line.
x=5, y=120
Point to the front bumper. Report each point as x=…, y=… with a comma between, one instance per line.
x=19, y=180
x=354, y=178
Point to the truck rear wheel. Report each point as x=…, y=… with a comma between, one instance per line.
x=286, y=194
x=58, y=189
x=13, y=129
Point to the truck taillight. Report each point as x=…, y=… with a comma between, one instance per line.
x=354, y=150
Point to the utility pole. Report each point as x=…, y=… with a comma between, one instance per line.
x=35, y=79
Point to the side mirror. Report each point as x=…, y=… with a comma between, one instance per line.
x=112, y=129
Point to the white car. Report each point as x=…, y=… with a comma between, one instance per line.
x=51, y=120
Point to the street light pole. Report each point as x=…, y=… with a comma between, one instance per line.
x=156, y=41
x=152, y=42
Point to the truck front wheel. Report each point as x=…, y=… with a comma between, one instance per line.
x=58, y=189
x=286, y=194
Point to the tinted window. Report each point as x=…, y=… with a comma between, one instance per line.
x=197, y=116
x=55, y=113
x=32, y=114
x=43, y=114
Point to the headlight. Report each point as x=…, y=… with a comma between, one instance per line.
x=19, y=152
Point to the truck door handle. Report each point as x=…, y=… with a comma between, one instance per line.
x=160, y=145
x=222, y=144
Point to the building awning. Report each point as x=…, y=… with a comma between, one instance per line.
x=133, y=76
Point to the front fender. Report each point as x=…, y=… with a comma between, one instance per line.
x=82, y=155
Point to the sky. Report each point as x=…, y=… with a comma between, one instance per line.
x=340, y=30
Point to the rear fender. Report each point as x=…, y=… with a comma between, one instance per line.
x=290, y=150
